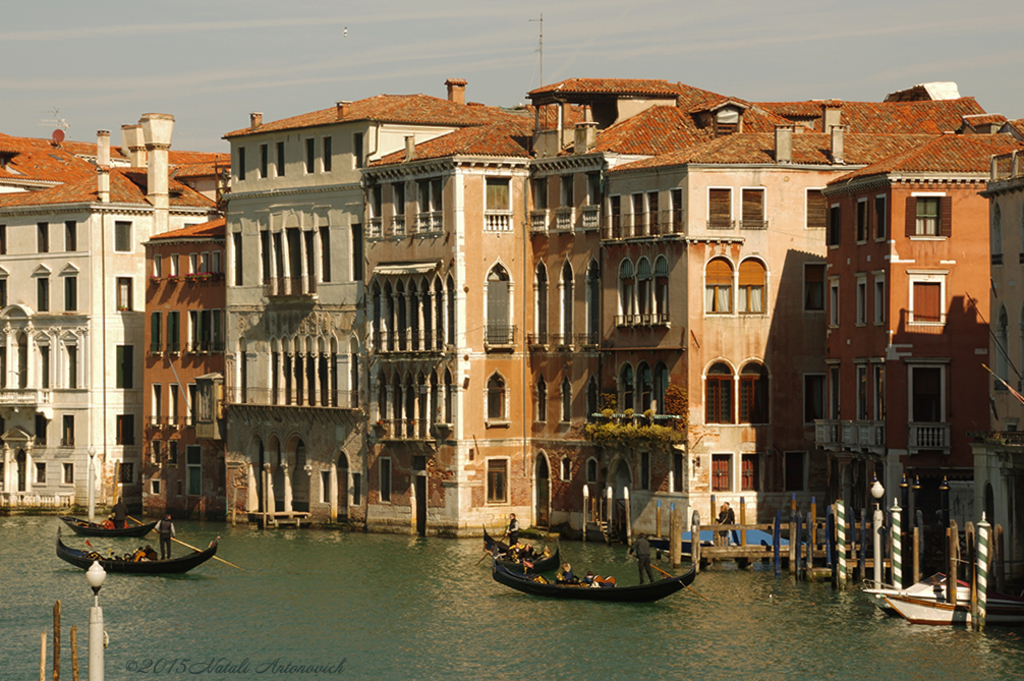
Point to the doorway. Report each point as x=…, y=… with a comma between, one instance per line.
x=543, y=496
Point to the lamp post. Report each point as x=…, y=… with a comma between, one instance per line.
x=91, y=484
x=96, y=575
x=877, y=491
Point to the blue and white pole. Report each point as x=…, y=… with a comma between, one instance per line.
x=841, y=540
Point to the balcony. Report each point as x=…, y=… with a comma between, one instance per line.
x=429, y=222
x=386, y=342
x=564, y=219
x=839, y=434
x=642, y=319
x=326, y=399
x=276, y=287
x=500, y=336
x=538, y=340
x=497, y=221
x=375, y=228
x=721, y=224
x=753, y=224
x=590, y=218
x=410, y=429
x=24, y=396
x=928, y=436
x=539, y=221
x=398, y=226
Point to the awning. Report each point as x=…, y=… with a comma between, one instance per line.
x=397, y=269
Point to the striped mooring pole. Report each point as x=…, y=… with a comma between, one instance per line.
x=841, y=540
x=897, y=545
x=983, y=538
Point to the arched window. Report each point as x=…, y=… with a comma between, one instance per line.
x=626, y=387
x=754, y=394
x=593, y=302
x=540, y=285
x=496, y=398
x=751, y=287
x=451, y=311
x=566, y=400
x=644, y=281
x=567, y=306
x=498, y=306
x=660, y=385
x=718, y=401
x=542, y=399
x=627, y=301
x=661, y=290
x=1002, y=348
x=718, y=286
x=566, y=469
x=645, y=386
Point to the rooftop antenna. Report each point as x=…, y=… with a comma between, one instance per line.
x=62, y=125
x=541, y=46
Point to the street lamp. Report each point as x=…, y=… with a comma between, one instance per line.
x=96, y=575
x=91, y=484
x=877, y=491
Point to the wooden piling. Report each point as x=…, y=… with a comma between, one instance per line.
x=917, y=554
x=629, y=520
x=657, y=518
x=56, y=641
x=970, y=539
x=812, y=531
x=952, y=548
x=776, y=540
x=586, y=510
x=998, y=573
x=793, y=541
x=695, y=539
x=743, y=521
x=74, y=653
x=675, y=536
x=42, y=657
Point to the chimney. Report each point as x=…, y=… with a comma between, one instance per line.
x=156, y=130
x=131, y=137
x=103, y=166
x=784, y=144
x=837, y=144
x=410, y=147
x=342, y=107
x=456, y=90
x=586, y=136
x=255, y=120
x=831, y=115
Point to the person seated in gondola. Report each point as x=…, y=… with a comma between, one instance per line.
x=565, y=576
x=108, y=524
x=148, y=553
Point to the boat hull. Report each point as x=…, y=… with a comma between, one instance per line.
x=642, y=593
x=180, y=565
x=87, y=529
x=548, y=564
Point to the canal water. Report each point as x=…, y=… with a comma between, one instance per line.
x=365, y=606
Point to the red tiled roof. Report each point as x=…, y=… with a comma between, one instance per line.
x=884, y=117
x=809, y=148
x=499, y=139
x=206, y=230
x=945, y=154
x=38, y=160
x=127, y=186
x=413, y=109
x=984, y=119
x=616, y=86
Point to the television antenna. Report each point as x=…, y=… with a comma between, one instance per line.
x=541, y=46
x=60, y=123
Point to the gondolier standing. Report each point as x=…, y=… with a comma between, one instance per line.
x=641, y=548
x=513, y=530
x=120, y=514
x=166, y=529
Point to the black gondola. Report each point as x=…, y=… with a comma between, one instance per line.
x=548, y=564
x=87, y=529
x=640, y=593
x=173, y=566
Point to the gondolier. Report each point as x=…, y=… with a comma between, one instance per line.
x=641, y=548
x=166, y=530
x=513, y=530
x=120, y=514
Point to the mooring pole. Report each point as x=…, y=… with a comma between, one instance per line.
x=984, y=534
x=695, y=539
x=841, y=541
x=776, y=540
x=586, y=501
x=897, y=545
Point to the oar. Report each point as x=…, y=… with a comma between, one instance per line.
x=673, y=576
x=194, y=548
x=486, y=555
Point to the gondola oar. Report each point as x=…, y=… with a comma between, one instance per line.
x=194, y=548
x=673, y=577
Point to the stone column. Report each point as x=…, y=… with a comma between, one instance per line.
x=333, y=492
x=252, y=502
x=287, y=487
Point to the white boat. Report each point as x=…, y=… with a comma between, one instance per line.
x=1000, y=609
x=931, y=589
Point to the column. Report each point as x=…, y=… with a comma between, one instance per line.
x=252, y=502
x=287, y=487
x=333, y=492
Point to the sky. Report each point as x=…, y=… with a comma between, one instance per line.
x=87, y=66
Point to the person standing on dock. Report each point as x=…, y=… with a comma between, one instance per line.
x=166, y=530
x=726, y=516
x=641, y=548
x=513, y=530
x=120, y=514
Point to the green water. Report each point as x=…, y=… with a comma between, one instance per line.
x=407, y=608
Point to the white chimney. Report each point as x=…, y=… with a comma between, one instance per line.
x=837, y=144
x=784, y=144
x=131, y=137
x=157, y=129
x=586, y=136
x=103, y=166
x=410, y=147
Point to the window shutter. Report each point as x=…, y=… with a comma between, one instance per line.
x=753, y=205
x=751, y=273
x=817, y=209
x=720, y=202
x=927, y=306
x=719, y=273
x=946, y=216
x=911, y=215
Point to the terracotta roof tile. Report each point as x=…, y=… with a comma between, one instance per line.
x=499, y=139
x=127, y=186
x=38, y=160
x=883, y=117
x=206, y=230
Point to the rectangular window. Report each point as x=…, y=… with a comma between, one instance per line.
x=593, y=189
x=566, y=191
x=881, y=218
x=879, y=303
x=497, y=481
x=69, y=473
x=40, y=473
x=862, y=299
x=72, y=366
x=67, y=435
x=720, y=208
x=678, y=471
x=70, y=236
x=753, y=209
x=817, y=209
x=155, y=451
x=216, y=265
x=325, y=254
x=862, y=220
x=927, y=212
x=3, y=292
x=814, y=397
x=264, y=161
x=833, y=392
x=539, y=190
x=750, y=479
x=43, y=237
x=126, y=429
x=645, y=470
x=498, y=193
x=127, y=473
x=677, y=210
x=43, y=294
x=172, y=262
x=70, y=294
x=833, y=302
x=236, y=240
x=325, y=487
x=154, y=486
x=862, y=393
x=357, y=149
x=42, y=425
x=795, y=471
x=879, y=384
x=385, y=479
x=927, y=301
x=721, y=472
x=44, y=367
x=125, y=367
x=124, y=294
x=926, y=395
x=157, y=405
x=310, y=155
x=280, y=159
x=328, y=153
x=834, y=225
x=123, y=237
x=240, y=170
x=173, y=330
x=814, y=287
x=3, y=239
x=357, y=252
x=158, y=265
x=172, y=453
x=194, y=469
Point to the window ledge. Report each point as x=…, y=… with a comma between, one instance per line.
x=491, y=423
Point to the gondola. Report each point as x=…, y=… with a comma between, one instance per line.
x=173, y=566
x=87, y=529
x=640, y=593
x=548, y=564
